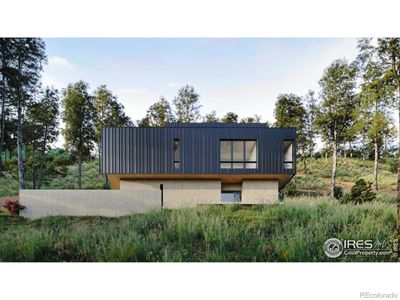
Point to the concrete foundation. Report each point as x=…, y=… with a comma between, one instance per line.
x=260, y=192
x=180, y=193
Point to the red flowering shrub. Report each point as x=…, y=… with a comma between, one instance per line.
x=13, y=206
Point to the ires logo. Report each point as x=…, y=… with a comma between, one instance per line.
x=360, y=244
x=334, y=248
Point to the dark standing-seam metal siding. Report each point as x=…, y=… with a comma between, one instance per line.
x=133, y=150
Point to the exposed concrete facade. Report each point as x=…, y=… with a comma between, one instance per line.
x=180, y=193
x=109, y=203
x=260, y=192
x=189, y=193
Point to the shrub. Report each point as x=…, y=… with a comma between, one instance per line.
x=337, y=192
x=360, y=193
x=392, y=164
x=13, y=206
x=291, y=189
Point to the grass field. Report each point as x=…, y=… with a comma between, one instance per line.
x=293, y=232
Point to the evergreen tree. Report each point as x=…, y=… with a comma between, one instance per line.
x=43, y=120
x=24, y=74
x=337, y=109
x=78, y=116
x=187, y=105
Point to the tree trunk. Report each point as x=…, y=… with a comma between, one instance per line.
x=33, y=166
x=2, y=124
x=376, y=165
x=334, y=166
x=42, y=158
x=398, y=158
x=351, y=150
x=80, y=170
x=21, y=173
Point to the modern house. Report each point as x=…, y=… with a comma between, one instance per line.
x=201, y=163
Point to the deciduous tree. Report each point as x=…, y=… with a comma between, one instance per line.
x=78, y=116
x=187, y=105
x=337, y=108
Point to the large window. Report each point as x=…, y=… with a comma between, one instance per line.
x=177, y=154
x=288, y=154
x=237, y=154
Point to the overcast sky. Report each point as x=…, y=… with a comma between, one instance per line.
x=240, y=75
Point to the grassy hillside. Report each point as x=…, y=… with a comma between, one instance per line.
x=295, y=231
x=317, y=179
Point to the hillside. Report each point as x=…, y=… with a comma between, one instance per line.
x=317, y=181
x=292, y=232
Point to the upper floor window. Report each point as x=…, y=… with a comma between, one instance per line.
x=177, y=154
x=288, y=154
x=238, y=154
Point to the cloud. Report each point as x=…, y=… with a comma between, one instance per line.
x=48, y=80
x=173, y=84
x=136, y=101
x=57, y=61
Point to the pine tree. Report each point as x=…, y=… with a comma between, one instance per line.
x=24, y=74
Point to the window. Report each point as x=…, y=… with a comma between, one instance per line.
x=288, y=154
x=231, y=196
x=236, y=154
x=177, y=155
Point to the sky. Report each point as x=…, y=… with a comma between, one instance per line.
x=242, y=75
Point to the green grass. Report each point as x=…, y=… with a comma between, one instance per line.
x=348, y=172
x=292, y=232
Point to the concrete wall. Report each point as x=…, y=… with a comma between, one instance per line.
x=180, y=193
x=109, y=203
x=260, y=192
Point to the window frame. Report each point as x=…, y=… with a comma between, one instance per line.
x=232, y=162
x=285, y=162
x=232, y=192
x=177, y=163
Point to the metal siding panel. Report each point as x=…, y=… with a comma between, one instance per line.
x=150, y=150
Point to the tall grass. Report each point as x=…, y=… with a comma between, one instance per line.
x=293, y=232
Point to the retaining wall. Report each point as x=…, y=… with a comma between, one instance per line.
x=109, y=203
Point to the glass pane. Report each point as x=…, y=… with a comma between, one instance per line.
x=288, y=150
x=231, y=196
x=225, y=150
x=238, y=154
x=176, y=150
x=251, y=165
x=238, y=165
x=251, y=151
x=177, y=165
x=225, y=165
x=288, y=165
